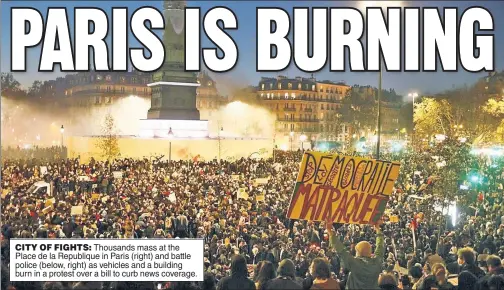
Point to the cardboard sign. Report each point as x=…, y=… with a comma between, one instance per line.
x=172, y=197
x=348, y=189
x=117, y=174
x=260, y=197
x=43, y=170
x=394, y=219
x=49, y=202
x=76, y=210
x=261, y=181
x=47, y=209
x=5, y=192
x=242, y=193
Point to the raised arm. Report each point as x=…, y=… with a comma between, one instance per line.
x=380, y=243
x=336, y=244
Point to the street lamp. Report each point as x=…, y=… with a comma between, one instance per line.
x=302, y=138
x=291, y=139
x=62, y=130
x=219, y=141
x=382, y=5
x=413, y=96
x=170, y=135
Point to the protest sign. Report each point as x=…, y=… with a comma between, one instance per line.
x=117, y=174
x=260, y=197
x=242, y=193
x=347, y=189
x=49, y=202
x=235, y=177
x=258, y=181
x=76, y=210
x=43, y=170
x=394, y=219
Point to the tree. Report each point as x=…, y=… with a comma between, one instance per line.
x=10, y=86
x=360, y=108
x=433, y=116
x=35, y=89
x=108, y=142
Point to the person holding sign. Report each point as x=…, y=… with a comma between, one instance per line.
x=364, y=269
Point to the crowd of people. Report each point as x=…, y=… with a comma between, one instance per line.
x=250, y=244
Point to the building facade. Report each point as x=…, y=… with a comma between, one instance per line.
x=304, y=107
x=89, y=89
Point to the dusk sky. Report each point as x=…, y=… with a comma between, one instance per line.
x=244, y=73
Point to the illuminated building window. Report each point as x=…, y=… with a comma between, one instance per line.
x=262, y=95
x=313, y=87
x=293, y=95
x=289, y=86
x=299, y=86
x=271, y=86
x=262, y=87
x=98, y=78
x=108, y=78
x=279, y=86
x=123, y=79
x=286, y=95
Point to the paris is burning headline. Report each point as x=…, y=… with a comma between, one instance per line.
x=408, y=39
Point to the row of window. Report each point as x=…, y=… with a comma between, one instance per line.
x=292, y=96
x=133, y=80
x=307, y=86
x=291, y=106
x=289, y=86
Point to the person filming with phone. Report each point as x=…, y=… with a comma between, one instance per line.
x=365, y=268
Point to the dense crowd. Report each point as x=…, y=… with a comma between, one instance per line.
x=250, y=244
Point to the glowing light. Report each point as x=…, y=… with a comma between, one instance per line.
x=37, y=137
x=463, y=140
x=291, y=134
x=302, y=138
x=474, y=178
x=440, y=137
x=464, y=187
x=62, y=129
x=283, y=147
x=26, y=146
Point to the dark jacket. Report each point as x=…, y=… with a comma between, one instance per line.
x=475, y=270
x=482, y=283
x=283, y=283
x=236, y=282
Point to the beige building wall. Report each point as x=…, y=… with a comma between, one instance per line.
x=206, y=149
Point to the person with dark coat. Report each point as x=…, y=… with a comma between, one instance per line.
x=494, y=264
x=467, y=260
x=238, y=279
x=286, y=277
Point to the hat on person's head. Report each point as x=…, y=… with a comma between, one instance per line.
x=363, y=249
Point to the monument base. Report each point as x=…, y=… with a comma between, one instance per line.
x=162, y=128
x=176, y=114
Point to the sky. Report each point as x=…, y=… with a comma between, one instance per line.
x=244, y=73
